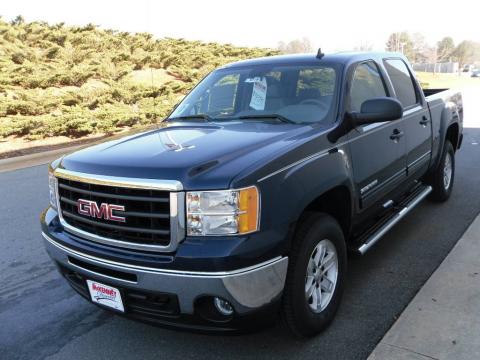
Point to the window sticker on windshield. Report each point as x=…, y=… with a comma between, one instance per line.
x=259, y=94
x=254, y=79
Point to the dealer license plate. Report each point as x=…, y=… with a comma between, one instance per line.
x=105, y=295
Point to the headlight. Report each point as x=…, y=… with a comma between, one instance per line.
x=223, y=212
x=52, y=187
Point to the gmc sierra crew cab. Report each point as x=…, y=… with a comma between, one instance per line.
x=246, y=200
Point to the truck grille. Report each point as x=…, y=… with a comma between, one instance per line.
x=147, y=212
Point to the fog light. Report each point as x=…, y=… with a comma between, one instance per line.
x=223, y=306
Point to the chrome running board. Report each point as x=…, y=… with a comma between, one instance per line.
x=395, y=218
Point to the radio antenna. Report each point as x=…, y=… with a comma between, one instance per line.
x=320, y=54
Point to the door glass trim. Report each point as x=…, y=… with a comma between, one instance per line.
x=412, y=110
x=406, y=113
x=372, y=126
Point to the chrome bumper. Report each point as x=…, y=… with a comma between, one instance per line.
x=246, y=289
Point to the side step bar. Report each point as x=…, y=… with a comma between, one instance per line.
x=377, y=235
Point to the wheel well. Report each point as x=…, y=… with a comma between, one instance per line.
x=336, y=203
x=452, y=135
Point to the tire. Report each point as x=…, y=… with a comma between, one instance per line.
x=303, y=315
x=441, y=188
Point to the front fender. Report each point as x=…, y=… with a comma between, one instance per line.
x=288, y=193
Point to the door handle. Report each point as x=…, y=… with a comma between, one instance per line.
x=396, y=135
x=425, y=120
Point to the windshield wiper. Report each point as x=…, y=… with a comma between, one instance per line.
x=268, y=116
x=204, y=117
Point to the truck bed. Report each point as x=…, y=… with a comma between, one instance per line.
x=443, y=104
x=428, y=92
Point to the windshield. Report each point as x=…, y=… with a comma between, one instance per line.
x=299, y=94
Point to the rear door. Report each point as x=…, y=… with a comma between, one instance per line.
x=416, y=117
x=377, y=150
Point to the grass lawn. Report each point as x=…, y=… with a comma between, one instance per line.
x=442, y=81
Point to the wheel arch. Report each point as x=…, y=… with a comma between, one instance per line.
x=449, y=129
x=336, y=202
x=452, y=135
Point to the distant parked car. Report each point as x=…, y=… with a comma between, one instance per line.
x=476, y=73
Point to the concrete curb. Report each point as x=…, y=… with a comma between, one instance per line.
x=44, y=157
x=443, y=319
x=20, y=162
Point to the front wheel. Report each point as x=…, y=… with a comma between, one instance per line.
x=316, y=275
x=444, y=174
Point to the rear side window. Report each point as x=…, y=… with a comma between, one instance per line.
x=367, y=84
x=402, y=82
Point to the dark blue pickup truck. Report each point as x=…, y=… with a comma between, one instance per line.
x=245, y=202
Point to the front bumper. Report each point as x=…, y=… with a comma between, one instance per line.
x=251, y=291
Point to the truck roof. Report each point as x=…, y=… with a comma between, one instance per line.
x=340, y=57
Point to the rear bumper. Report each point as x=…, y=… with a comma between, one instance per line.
x=253, y=290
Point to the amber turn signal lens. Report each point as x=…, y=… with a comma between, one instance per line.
x=248, y=210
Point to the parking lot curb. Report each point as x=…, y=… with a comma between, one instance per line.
x=20, y=162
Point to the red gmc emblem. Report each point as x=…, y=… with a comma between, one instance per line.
x=104, y=211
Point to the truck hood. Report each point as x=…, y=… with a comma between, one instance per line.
x=206, y=155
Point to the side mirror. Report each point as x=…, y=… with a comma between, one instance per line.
x=372, y=111
x=377, y=110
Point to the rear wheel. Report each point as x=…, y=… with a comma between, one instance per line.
x=316, y=275
x=444, y=174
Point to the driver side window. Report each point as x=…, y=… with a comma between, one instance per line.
x=367, y=83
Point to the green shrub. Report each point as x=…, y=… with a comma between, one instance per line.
x=18, y=58
x=75, y=81
x=21, y=107
x=52, y=52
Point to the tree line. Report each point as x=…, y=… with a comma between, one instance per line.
x=413, y=46
x=417, y=50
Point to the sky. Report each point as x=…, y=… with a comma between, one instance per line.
x=332, y=25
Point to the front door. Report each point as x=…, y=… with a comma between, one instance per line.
x=377, y=150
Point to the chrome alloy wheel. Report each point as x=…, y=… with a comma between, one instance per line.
x=447, y=171
x=322, y=275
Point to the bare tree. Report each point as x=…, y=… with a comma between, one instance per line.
x=296, y=46
x=364, y=46
x=400, y=42
x=431, y=57
x=420, y=48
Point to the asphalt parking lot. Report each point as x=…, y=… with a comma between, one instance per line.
x=41, y=317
